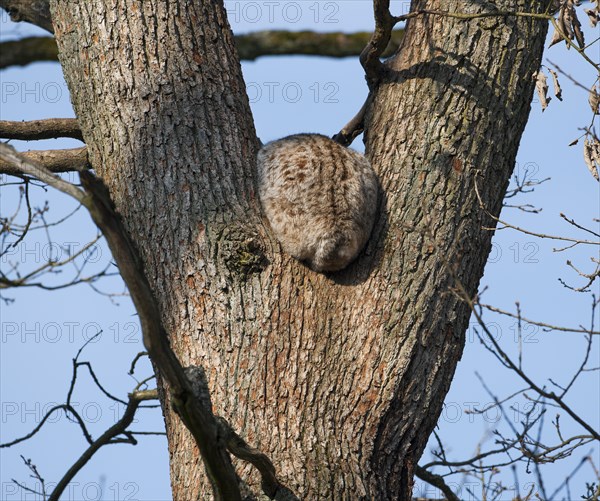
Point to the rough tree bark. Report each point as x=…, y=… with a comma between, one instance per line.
x=339, y=379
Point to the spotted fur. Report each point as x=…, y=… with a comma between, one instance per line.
x=319, y=197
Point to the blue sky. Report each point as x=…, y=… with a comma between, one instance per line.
x=42, y=331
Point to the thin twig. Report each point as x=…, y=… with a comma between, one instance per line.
x=539, y=324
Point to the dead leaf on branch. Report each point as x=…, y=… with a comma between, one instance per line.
x=556, y=84
x=577, y=30
x=541, y=86
x=591, y=155
x=593, y=16
x=561, y=31
x=594, y=100
x=568, y=25
x=568, y=14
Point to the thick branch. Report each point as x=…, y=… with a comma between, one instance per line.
x=279, y=43
x=436, y=481
x=250, y=46
x=191, y=397
x=35, y=12
x=28, y=50
x=20, y=164
x=239, y=448
x=353, y=128
x=478, y=15
x=199, y=420
x=370, y=56
x=40, y=129
x=55, y=161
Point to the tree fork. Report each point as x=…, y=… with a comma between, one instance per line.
x=342, y=401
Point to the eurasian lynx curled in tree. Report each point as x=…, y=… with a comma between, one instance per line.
x=320, y=199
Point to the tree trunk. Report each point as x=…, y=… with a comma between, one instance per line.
x=338, y=378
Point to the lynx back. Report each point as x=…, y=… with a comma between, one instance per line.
x=319, y=197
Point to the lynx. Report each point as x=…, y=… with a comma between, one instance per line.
x=320, y=199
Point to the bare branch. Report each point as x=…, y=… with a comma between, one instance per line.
x=106, y=438
x=64, y=407
x=16, y=163
x=54, y=161
x=52, y=265
x=527, y=232
x=582, y=366
x=81, y=260
x=369, y=57
x=468, y=17
x=250, y=46
x=308, y=43
x=29, y=216
x=28, y=50
x=572, y=222
x=436, y=481
x=540, y=324
x=135, y=361
x=36, y=475
x=110, y=436
x=40, y=129
x=510, y=364
x=353, y=128
x=239, y=448
x=591, y=277
x=35, y=12
x=573, y=80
